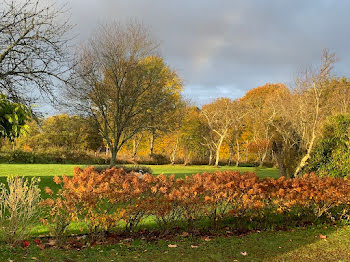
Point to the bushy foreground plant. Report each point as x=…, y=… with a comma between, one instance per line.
x=109, y=199
x=18, y=208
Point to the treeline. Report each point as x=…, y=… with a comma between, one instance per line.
x=271, y=125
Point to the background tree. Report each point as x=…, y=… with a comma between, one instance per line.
x=120, y=82
x=258, y=118
x=310, y=104
x=33, y=49
x=191, y=134
x=219, y=116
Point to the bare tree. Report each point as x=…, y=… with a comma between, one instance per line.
x=120, y=82
x=220, y=116
x=33, y=49
x=296, y=117
x=310, y=103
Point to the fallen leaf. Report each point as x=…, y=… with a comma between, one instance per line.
x=37, y=241
x=192, y=246
x=34, y=258
x=170, y=245
x=41, y=246
x=25, y=243
x=322, y=236
x=185, y=234
x=244, y=253
x=51, y=242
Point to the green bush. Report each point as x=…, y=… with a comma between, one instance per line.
x=55, y=156
x=332, y=152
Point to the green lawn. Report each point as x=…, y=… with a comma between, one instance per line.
x=297, y=245
x=179, y=170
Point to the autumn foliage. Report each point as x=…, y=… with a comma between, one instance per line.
x=114, y=199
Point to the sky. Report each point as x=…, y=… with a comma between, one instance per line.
x=223, y=48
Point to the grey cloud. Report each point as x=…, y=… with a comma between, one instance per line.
x=225, y=47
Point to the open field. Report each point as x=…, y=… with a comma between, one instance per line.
x=179, y=170
x=295, y=245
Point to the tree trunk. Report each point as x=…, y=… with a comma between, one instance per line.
x=210, y=157
x=136, y=142
x=217, y=157
x=262, y=159
x=113, y=157
x=246, y=151
x=277, y=148
x=237, y=153
x=230, y=156
x=151, y=143
x=174, y=151
x=305, y=159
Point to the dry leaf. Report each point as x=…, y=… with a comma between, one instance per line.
x=192, y=246
x=51, y=242
x=185, y=234
x=41, y=246
x=170, y=245
x=244, y=253
x=322, y=236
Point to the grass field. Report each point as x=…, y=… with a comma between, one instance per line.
x=296, y=245
x=178, y=170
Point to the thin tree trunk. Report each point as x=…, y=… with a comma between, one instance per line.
x=173, y=153
x=246, y=151
x=230, y=156
x=210, y=157
x=218, y=151
x=237, y=152
x=136, y=143
x=151, y=144
x=305, y=159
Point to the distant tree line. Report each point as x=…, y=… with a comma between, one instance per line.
x=121, y=99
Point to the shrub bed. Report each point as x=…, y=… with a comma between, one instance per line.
x=52, y=157
x=113, y=199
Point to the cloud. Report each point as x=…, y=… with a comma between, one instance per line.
x=225, y=47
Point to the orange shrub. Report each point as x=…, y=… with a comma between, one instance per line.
x=104, y=200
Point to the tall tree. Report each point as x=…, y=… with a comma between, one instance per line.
x=219, y=116
x=311, y=104
x=120, y=81
x=258, y=118
x=33, y=49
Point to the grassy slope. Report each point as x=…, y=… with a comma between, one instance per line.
x=298, y=245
